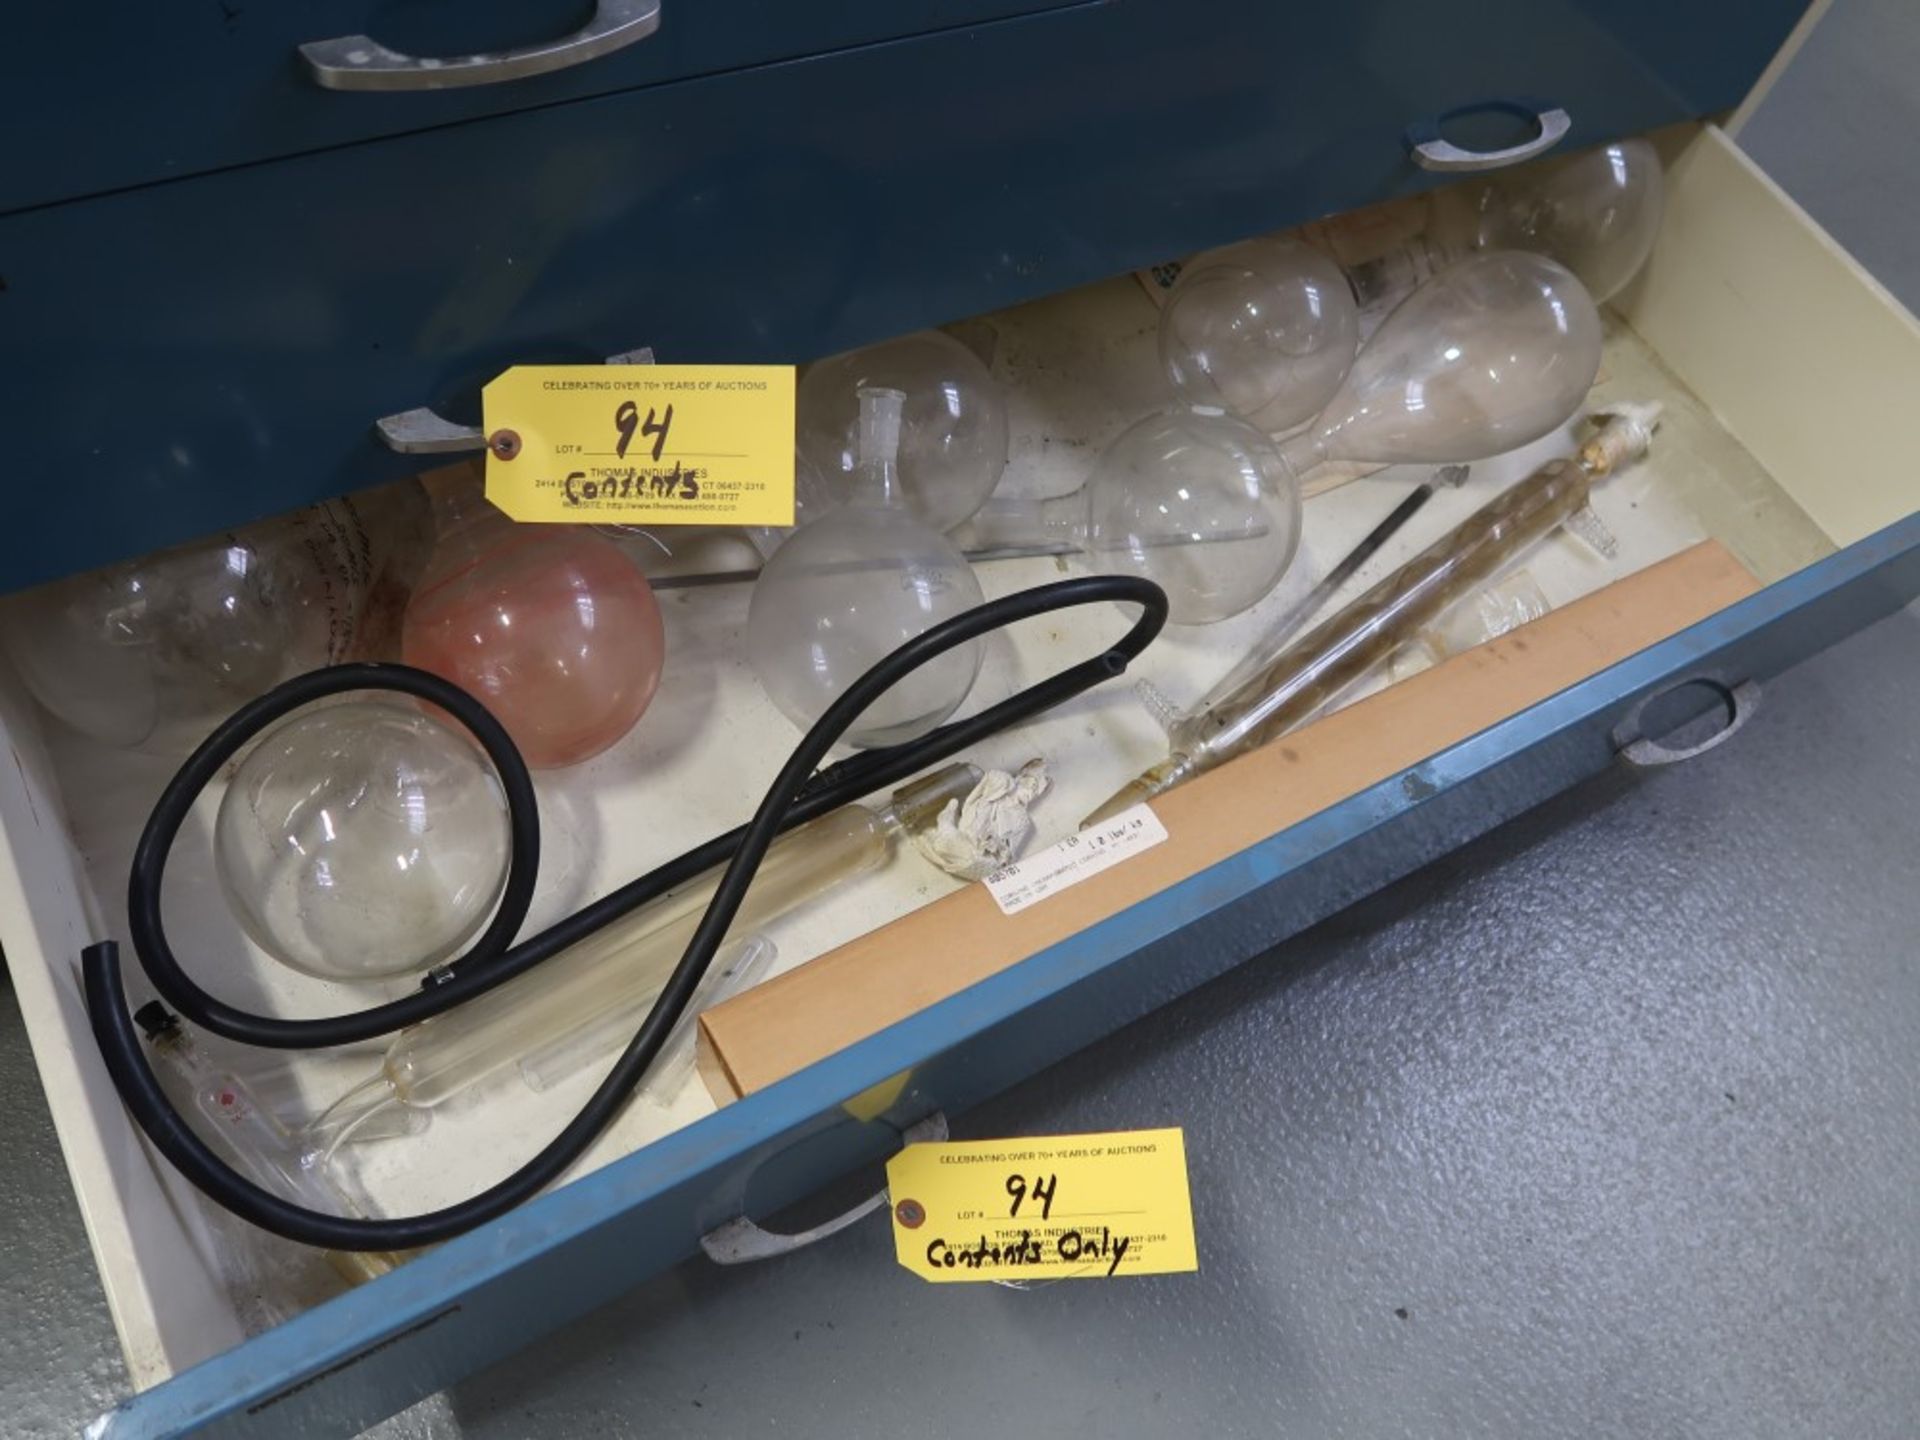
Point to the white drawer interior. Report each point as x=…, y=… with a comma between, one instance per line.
x=1783, y=368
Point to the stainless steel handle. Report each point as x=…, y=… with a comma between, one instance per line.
x=359, y=62
x=740, y=1242
x=426, y=432
x=1741, y=700
x=1431, y=151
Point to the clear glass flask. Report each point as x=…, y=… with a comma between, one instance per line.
x=552, y=627
x=1491, y=355
x=1342, y=649
x=362, y=840
x=953, y=429
x=1598, y=213
x=1265, y=330
x=612, y=977
x=151, y=654
x=846, y=590
x=1197, y=501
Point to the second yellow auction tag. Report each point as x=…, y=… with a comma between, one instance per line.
x=1058, y=1208
x=642, y=444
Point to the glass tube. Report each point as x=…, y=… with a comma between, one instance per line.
x=740, y=965
x=621, y=969
x=1338, y=652
x=250, y=1139
x=1286, y=627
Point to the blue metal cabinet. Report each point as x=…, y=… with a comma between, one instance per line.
x=190, y=354
x=130, y=93
x=185, y=356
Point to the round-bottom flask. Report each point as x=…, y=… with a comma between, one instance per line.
x=953, y=441
x=362, y=840
x=552, y=627
x=151, y=654
x=849, y=588
x=1265, y=330
x=1597, y=213
x=1198, y=502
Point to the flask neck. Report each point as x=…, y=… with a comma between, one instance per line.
x=1014, y=522
x=1304, y=451
x=465, y=524
x=876, y=476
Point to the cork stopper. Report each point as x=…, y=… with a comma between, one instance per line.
x=1624, y=435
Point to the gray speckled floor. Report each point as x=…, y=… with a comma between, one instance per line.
x=1620, y=1107
x=1607, y=1125
x=60, y=1365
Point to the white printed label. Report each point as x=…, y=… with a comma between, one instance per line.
x=1067, y=862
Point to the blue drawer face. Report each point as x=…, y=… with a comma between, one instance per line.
x=125, y=93
x=188, y=356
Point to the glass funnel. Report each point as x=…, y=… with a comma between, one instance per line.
x=1489, y=355
x=849, y=588
x=953, y=427
x=552, y=627
x=1265, y=330
x=362, y=840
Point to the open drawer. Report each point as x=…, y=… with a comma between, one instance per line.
x=1784, y=369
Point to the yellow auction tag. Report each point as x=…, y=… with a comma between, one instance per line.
x=1059, y=1208
x=642, y=444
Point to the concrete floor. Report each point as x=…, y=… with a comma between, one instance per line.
x=1607, y=1125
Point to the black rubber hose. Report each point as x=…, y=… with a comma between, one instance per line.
x=797, y=791
x=489, y=961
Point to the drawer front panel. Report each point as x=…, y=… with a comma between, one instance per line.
x=192, y=355
x=142, y=93
x=346, y=1363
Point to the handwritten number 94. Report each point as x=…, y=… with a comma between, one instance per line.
x=1041, y=1192
x=627, y=420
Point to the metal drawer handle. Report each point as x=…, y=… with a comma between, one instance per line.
x=1741, y=700
x=426, y=432
x=1433, y=152
x=359, y=62
x=740, y=1242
